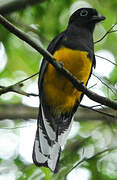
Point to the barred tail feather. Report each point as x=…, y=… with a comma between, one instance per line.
x=48, y=142
x=51, y=160
x=46, y=150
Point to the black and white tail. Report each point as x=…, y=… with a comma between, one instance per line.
x=49, y=140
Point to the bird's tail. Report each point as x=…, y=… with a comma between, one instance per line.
x=48, y=142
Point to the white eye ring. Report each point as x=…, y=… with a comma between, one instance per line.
x=84, y=12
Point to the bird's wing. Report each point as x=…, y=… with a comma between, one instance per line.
x=48, y=140
x=51, y=48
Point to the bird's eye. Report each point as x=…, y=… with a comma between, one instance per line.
x=84, y=12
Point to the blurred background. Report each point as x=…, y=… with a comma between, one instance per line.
x=92, y=132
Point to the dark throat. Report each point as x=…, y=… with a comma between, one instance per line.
x=78, y=38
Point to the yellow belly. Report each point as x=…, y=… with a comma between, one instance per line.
x=59, y=92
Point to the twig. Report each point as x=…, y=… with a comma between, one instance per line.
x=113, y=31
x=27, y=78
x=104, y=83
x=92, y=86
x=98, y=105
x=91, y=158
x=106, y=59
x=59, y=67
x=17, y=87
x=109, y=31
x=98, y=111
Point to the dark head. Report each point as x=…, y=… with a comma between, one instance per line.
x=86, y=17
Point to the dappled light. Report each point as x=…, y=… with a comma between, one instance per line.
x=103, y=67
x=105, y=166
x=31, y=101
x=79, y=174
x=79, y=4
x=26, y=137
x=6, y=82
x=3, y=57
x=8, y=170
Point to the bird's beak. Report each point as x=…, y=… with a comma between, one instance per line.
x=98, y=18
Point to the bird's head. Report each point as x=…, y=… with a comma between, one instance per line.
x=86, y=17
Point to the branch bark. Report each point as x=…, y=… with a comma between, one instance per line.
x=59, y=67
x=9, y=6
x=17, y=111
x=20, y=111
x=17, y=87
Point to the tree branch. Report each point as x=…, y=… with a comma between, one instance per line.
x=21, y=111
x=17, y=87
x=59, y=67
x=10, y=6
x=101, y=113
x=17, y=111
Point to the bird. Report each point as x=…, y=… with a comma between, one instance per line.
x=59, y=99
